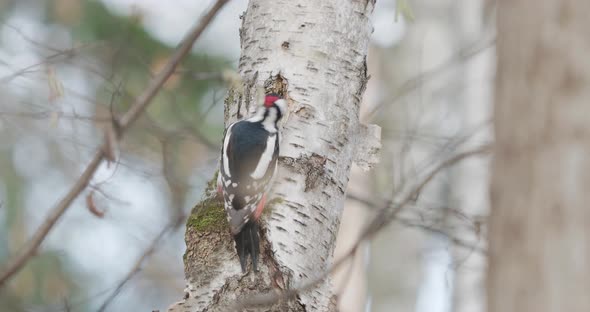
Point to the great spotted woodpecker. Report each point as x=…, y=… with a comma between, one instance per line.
x=248, y=163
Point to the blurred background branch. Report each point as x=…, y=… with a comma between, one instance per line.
x=119, y=126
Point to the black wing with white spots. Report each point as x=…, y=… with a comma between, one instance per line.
x=247, y=167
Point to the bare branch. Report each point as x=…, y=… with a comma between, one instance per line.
x=30, y=40
x=48, y=60
x=136, y=109
x=455, y=240
x=409, y=222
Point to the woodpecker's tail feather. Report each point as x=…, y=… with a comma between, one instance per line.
x=248, y=243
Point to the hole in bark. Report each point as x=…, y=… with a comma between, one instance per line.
x=276, y=84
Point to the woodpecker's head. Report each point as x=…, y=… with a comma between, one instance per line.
x=270, y=113
x=274, y=101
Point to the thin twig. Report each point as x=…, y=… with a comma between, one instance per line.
x=387, y=215
x=48, y=60
x=136, y=109
x=454, y=240
x=412, y=223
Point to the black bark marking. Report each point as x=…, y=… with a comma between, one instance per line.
x=280, y=228
x=316, y=207
x=300, y=223
x=311, y=67
x=303, y=215
x=299, y=146
x=301, y=246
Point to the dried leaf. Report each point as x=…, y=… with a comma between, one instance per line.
x=92, y=206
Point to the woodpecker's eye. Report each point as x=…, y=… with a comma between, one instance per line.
x=270, y=99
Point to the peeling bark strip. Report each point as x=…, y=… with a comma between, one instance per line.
x=313, y=54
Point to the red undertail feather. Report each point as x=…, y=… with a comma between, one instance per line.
x=260, y=208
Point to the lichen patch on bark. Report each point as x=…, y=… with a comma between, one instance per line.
x=311, y=166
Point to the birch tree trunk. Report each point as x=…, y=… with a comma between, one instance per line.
x=313, y=53
x=540, y=221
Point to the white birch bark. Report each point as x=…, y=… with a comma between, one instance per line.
x=351, y=279
x=314, y=53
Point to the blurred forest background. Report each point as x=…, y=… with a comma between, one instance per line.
x=67, y=65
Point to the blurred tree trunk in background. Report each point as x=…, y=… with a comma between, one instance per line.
x=314, y=53
x=540, y=219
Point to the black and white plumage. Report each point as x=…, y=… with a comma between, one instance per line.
x=248, y=163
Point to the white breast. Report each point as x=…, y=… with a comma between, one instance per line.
x=225, y=159
x=265, y=158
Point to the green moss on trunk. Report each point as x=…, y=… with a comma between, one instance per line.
x=209, y=214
